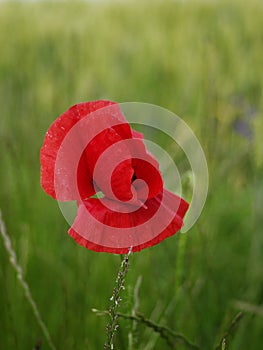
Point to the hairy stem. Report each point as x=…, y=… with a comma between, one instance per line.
x=112, y=325
x=166, y=333
x=230, y=331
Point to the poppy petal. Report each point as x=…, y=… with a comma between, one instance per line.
x=146, y=171
x=147, y=167
x=111, y=176
x=54, y=139
x=136, y=134
x=101, y=229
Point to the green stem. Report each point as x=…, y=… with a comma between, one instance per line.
x=112, y=325
x=166, y=333
x=230, y=331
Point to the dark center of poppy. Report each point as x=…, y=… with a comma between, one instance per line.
x=134, y=177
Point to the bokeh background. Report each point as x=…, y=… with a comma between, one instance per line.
x=203, y=61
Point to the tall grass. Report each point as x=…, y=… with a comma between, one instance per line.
x=202, y=60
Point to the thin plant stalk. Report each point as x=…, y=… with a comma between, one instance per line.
x=23, y=283
x=115, y=299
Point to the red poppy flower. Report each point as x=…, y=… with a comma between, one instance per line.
x=90, y=149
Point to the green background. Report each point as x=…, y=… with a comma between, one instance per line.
x=201, y=60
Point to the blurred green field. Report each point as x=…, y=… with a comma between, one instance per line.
x=201, y=60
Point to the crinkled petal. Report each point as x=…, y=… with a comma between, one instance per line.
x=101, y=229
x=146, y=170
x=65, y=188
x=111, y=175
x=136, y=134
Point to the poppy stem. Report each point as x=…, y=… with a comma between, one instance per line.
x=115, y=299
